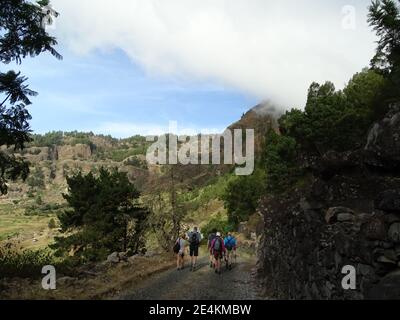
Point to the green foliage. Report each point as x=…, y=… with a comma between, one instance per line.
x=280, y=162
x=335, y=120
x=136, y=162
x=52, y=224
x=104, y=216
x=22, y=34
x=36, y=179
x=27, y=263
x=120, y=155
x=54, y=138
x=242, y=194
x=219, y=223
x=384, y=17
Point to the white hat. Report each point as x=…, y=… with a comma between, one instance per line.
x=218, y=234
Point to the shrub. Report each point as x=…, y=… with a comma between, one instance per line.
x=52, y=224
x=26, y=263
x=219, y=223
x=242, y=194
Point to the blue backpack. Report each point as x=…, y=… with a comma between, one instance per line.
x=230, y=243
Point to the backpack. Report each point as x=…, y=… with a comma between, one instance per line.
x=177, y=246
x=194, y=239
x=229, y=244
x=217, y=245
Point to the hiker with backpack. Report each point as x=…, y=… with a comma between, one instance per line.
x=230, y=245
x=211, y=237
x=194, y=243
x=179, y=249
x=218, y=250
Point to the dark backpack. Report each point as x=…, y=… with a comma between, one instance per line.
x=194, y=239
x=218, y=245
x=177, y=246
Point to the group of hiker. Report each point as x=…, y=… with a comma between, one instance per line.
x=220, y=249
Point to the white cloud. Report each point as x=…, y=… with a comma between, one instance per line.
x=128, y=129
x=270, y=49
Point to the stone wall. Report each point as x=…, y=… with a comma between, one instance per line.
x=347, y=214
x=305, y=247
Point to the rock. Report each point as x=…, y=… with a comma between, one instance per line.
x=365, y=270
x=385, y=260
x=66, y=281
x=332, y=213
x=383, y=144
x=113, y=258
x=392, y=218
x=374, y=229
x=394, y=232
x=123, y=256
x=387, y=288
x=345, y=217
x=310, y=205
x=388, y=201
x=390, y=254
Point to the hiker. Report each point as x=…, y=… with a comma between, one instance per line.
x=230, y=246
x=194, y=243
x=179, y=249
x=211, y=237
x=218, y=250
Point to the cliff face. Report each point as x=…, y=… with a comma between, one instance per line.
x=348, y=214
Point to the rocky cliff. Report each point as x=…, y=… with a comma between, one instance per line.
x=348, y=213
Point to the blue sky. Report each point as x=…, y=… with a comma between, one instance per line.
x=105, y=92
x=133, y=68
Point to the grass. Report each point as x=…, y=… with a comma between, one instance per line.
x=27, y=231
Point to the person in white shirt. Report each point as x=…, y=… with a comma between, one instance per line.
x=180, y=256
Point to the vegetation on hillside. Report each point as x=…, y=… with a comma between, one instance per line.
x=104, y=216
x=332, y=120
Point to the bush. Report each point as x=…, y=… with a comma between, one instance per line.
x=104, y=213
x=219, y=223
x=242, y=194
x=26, y=263
x=52, y=224
x=280, y=162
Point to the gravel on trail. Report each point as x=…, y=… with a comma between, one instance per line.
x=201, y=284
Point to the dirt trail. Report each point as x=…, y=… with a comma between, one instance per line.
x=202, y=284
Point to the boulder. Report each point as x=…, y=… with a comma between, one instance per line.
x=332, y=214
x=345, y=217
x=374, y=229
x=388, y=201
x=113, y=258
x=383, y=144
x=388, y=288
x=394, y=232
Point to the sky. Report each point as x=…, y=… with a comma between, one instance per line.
x=131, y=66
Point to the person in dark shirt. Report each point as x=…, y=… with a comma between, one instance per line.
x=211, y=237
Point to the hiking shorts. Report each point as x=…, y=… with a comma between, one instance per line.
x=194, y=251
x=217, y=255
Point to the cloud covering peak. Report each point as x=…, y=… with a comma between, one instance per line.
x=268, y=49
